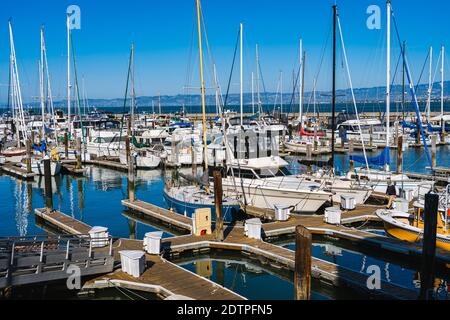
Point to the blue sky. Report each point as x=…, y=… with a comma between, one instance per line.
x=162, y=32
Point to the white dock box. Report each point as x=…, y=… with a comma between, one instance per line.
x=152, y=242
x=281, y=212
x=348, y=202
x=333, y=215
x=133, y=262
x=253, y=228
x=99, y=237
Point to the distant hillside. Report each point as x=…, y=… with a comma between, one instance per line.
x=375, y=94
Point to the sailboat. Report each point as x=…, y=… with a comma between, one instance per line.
x=379, y=180
x=144, y=157
x=17, y=153
x=186, y=199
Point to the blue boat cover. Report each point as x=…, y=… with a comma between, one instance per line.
x=181, y=124
x=42, y=147
x=379, y=161
x=48, y=130
x=409, y=125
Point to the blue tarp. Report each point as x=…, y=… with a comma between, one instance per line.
x=409, y=125
x=48, y=130
x=379, y=161
x=437, y=129
x=42, y=147
x=181, y=124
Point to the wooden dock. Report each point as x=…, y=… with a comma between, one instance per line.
x=63, y=222
x=164, y=278
x=71, y=169
x=17, y=172
x=160, y=214
x=185, y=283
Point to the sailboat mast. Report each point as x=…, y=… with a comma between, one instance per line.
x=133, y=93
x=241, y=74
x=300, y=91
x=41, y=78
x=442, y=89
x=430, y=85
x=388, y=76
x=281, y=93
x=257, y=80
x=333, y=99
x=69, y=84
x=253, y=94
x=202, y=82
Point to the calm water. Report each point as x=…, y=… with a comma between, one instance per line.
x=94, y=199
x=250, y=279
x=392, y=271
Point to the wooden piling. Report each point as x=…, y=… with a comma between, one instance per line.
x=130, y=160
x=400, y=154
x=371, y=136
x=433, y=150
x=78, y=158
x=28, y=144
x=48, y=185
x=350, y=146
x=342, y=134
x=218, y=194
x=66, y=145
x=302, y=273
x=429, y=246
x=309, y=151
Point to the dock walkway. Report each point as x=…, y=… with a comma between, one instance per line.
x=164, y=276
x=17, y=172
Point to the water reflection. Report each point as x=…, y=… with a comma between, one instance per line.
x=394, y=272
x=251, y=279
x=94, y=199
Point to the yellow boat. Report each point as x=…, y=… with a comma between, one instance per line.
x=410, y=227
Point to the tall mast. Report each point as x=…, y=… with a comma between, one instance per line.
x=133, y=93
x=202, y=82
x=333, y=99
x=442, y=89
x=242, y=74
x=300, y=91
x=430, y=85
x=388, y=76
x=404, y=85
x=253, y=94
x=41, y=78
x=257, y=80
x=281, y=93
x=69, y=84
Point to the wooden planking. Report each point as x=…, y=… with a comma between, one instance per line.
x=17, y=172
x=322, y=270
x=170, y=277
x=63, y=222
x=108, y=164
x=159, y=213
